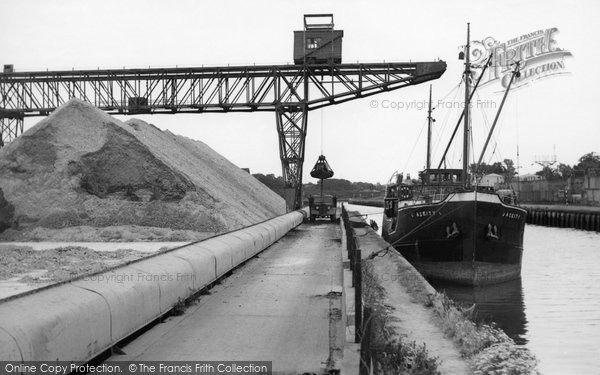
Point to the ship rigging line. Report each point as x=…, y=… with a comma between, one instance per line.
x=414, y=146
x=471, y=139
x=487, y=126
x=383, y=251
x=427, y=222
x=465, y=109
x=440, y=133
x=449, y=93
x=515, y=73
x=453, y=90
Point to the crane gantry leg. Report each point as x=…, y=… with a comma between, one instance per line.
x=10, y=129
x=291, y=128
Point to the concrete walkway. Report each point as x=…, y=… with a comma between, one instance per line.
x=284, y=306
x=405, y=293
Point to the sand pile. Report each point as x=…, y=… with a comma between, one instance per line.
x=80, y=171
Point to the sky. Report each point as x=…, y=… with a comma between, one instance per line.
x=362, y=141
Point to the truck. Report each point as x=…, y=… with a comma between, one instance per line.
x=323, y=206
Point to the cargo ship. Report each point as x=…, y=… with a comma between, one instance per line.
x=447, y=225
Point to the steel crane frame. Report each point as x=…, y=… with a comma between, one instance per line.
x=291, y=91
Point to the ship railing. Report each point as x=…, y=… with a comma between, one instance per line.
x=432, y=195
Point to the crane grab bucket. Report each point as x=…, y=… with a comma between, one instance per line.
x=322, y=170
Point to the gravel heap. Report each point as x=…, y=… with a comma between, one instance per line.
x=80, y=167
x=59, y=264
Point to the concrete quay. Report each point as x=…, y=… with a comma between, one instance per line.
x=283, y=306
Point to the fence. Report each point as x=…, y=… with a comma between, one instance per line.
x=355, y=257
x=363, y=322
x=585, y=220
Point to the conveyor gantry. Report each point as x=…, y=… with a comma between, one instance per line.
x=288, y=90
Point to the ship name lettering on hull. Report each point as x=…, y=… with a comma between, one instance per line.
x=511, y=215
x=423, y=213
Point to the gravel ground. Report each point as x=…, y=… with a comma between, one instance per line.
x=122, y=233
x=58, y=264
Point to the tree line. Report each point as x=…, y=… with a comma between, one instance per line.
x=333, y=186
x=588, y=164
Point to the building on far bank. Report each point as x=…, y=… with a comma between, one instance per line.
x=492, y=180
x=577, y=189
x=541, y=191
x=591, y=190
x=530, y=177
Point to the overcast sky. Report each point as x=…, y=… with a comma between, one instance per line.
x=361, y=143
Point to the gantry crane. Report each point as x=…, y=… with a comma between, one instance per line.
x=291, y=91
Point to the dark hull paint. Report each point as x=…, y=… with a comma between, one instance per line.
x=420, y=233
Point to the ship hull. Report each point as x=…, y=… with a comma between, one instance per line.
x=468, y=238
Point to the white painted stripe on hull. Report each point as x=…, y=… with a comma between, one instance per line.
x=468, y=196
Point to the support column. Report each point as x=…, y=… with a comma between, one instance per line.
x=10, y=129
x=291, y=127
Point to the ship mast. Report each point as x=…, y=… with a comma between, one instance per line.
x=467, y=75
x=429, y=120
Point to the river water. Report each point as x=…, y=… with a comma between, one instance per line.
x=554, y=309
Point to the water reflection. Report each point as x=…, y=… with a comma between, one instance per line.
x=499, y=303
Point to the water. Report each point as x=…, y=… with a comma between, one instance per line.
x=554, y=310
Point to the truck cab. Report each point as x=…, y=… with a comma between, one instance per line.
x=323, y=206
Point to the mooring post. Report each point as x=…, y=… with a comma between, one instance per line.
x=365, y=344
x=351, y=244
x=352, y=253
x=347, y=230
x=357, y=276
